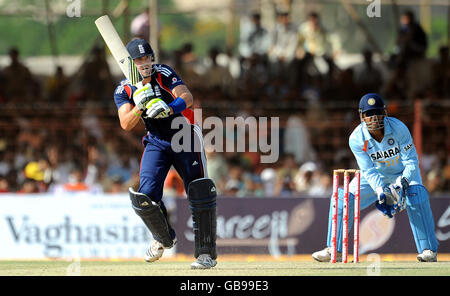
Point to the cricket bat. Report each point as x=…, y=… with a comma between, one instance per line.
x=117, y=49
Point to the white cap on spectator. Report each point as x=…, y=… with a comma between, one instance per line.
x=308, y=167
x=268, y=174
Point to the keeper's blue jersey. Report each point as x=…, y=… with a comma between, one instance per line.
x=381, y=163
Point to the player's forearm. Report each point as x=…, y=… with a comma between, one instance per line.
x=129, y=120
x=184, y=99
x=187, y=98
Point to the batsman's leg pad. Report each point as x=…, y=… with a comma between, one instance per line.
x=202, y=203
x=151, y=214
x=421, y=218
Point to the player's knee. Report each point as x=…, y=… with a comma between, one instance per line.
x=201, y=190
x=139, y=200
x=151, y=213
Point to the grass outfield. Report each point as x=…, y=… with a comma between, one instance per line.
x=223, y=268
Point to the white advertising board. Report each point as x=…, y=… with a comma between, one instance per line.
x=70, y=226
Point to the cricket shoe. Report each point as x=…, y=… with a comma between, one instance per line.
x=156, y=251
x=427, y=256
x=204, y=261
x=325, y=255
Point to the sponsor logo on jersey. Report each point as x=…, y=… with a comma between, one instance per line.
x=385, y=154
x=157, y=90
x=407, y=147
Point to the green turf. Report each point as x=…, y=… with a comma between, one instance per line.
x=273, y=268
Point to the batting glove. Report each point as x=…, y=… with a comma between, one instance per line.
x=157, y=108
x=143, y=95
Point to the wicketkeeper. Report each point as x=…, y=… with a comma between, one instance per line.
x=159, y=99
x=390, y=178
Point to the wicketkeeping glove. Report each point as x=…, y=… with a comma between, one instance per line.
x=399, y=191
x=157, y=108
x=388, y=211
x=385, y=196
x=386, y=201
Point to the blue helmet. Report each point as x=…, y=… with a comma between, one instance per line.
x=138, y=48
x=372, y=111
x=371, y=101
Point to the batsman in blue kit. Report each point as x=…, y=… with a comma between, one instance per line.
x=160, y=100
x=390, y=178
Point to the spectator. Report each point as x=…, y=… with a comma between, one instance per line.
x=254, y=39
x=217, y=168
x=269, y=178
x=285, y=185
x=117, y=185
x=368, y=77
x=411, y=41
x=396, y=84
x=217, y=77
x=283, y=45
x=316, y=47
x=140, y=25
x=29, y=186
x=322, y=185
x=15, y=75
x=2, y=87
x=232, y=188
x=57, y=86
x=76, y=184
x=441, y=73
x=6, y=162
x=4, y=185
x=40, y=172
x=314, y=40
x=96, y=79
x=304, y=177
x=234, y=185
x=95, y=167
x=186, y=64
x=297, y=141
x=435, y=181
x=255, y=74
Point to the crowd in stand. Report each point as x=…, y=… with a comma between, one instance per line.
x=61, y=134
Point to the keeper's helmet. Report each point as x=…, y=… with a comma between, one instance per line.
x=372, y=111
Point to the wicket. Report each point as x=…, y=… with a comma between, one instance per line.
x=345, y=210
